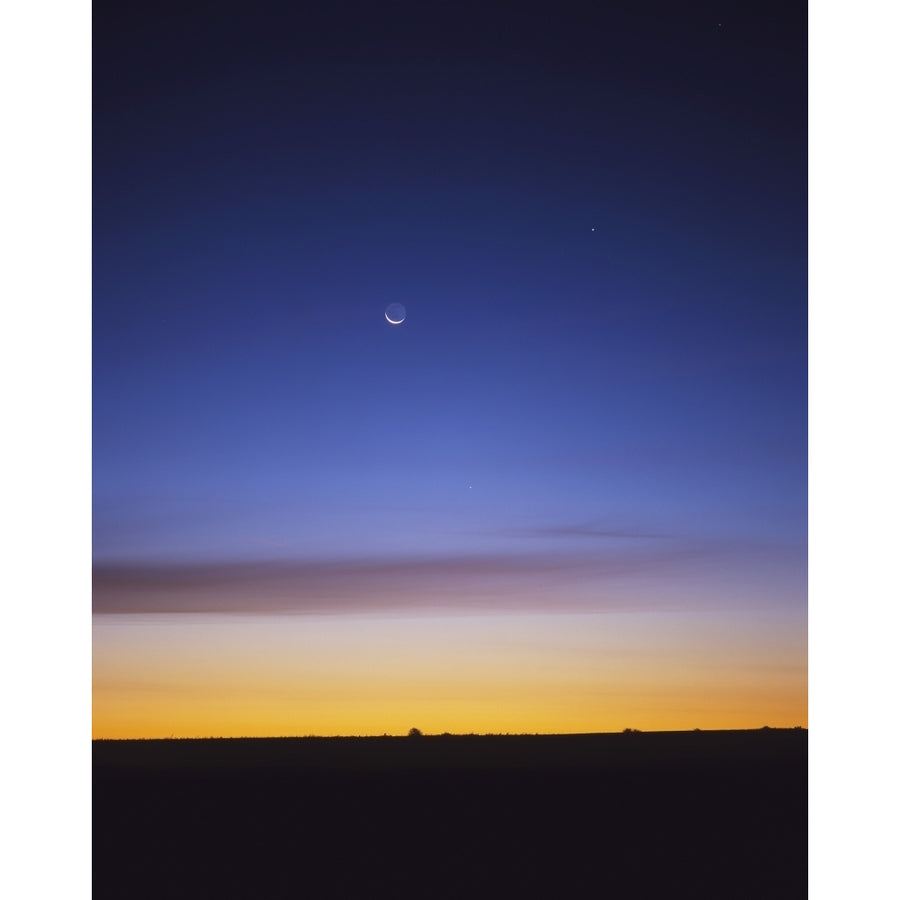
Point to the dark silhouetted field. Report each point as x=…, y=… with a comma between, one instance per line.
x=675, y=814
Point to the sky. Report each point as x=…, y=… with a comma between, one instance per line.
x=568, y=492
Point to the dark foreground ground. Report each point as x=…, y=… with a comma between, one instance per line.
x=677, y=814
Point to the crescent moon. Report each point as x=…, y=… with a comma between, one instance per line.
x=395, y=314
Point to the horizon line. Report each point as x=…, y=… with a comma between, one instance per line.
x=446, y=734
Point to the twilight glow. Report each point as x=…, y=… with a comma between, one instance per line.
x=568, y=493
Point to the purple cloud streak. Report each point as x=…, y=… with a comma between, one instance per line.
x=494, y=582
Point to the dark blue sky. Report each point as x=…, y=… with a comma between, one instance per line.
x=594, y=214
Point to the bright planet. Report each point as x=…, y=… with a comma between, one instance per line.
x=395, y=313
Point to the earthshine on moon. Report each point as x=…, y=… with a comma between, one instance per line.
x=395, y=313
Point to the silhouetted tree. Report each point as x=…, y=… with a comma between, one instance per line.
x=414, y=732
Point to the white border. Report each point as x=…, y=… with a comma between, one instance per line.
x=854, y=446
x=45, y=373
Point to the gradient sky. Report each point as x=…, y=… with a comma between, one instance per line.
x=568, y=493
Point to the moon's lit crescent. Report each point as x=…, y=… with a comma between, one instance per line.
x=395, y=313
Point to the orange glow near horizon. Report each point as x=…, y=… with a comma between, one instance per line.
x=286, y=675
